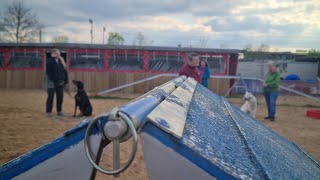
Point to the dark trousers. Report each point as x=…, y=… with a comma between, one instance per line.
x=271, y=99
x=59, y=98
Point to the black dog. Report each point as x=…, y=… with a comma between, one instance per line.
x=82, y=100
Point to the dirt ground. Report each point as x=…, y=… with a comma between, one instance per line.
x=24, y=126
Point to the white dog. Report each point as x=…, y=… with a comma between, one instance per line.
x=250, y=104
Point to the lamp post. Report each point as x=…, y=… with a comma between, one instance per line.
x=104, y=30
x=91, y=31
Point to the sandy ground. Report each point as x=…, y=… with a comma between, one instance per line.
x=24, y=126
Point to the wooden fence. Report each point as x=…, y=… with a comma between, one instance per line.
x=96, y=81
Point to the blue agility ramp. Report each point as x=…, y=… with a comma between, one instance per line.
x=187, y=132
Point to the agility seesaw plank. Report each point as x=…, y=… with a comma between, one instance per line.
x=219, y=141
x=171, y=114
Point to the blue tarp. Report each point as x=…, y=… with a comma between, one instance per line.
x=292, y=77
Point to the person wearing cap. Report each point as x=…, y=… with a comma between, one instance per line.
x=191, y=68
x=271, y=90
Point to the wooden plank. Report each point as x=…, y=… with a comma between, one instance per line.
x=86, y=81
x=219, y=86
x=105, y=81
x=28, y=80
x=3, y=78
x=72, y=76
x=18, y=79
x=171, y=114
x=41, y=78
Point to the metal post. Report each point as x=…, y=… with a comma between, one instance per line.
x=116, y=156
x=104, y=30
x=40, y=36
x=91, y=31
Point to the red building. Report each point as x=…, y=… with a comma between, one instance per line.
x=104, y=66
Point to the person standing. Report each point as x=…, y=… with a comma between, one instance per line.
x=191, y=68
x=57, y=80
x=204, y=72
x=271, y=90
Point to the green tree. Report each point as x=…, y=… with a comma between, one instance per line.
x=115, y=39
x=18, y=23
x=314, y=52
x=60, y=39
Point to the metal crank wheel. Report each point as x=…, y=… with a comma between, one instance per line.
x=116, y=147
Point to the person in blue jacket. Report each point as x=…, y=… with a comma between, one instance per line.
x=204, y=72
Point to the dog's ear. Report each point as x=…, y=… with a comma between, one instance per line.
x=80, y=85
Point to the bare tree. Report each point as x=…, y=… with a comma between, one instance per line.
x=263, y=47
x=203, y=41
x=60, y=39
x=18, y=23
x=142, y=40
x=223, y=45
x=248, y=47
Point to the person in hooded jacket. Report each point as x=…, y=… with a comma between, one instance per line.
x=204, y=72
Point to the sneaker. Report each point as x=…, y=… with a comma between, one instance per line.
x=272, y=119
x=48, y=114
x=267, y=117
x=60, y=114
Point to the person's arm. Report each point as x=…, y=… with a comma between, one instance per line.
x=49, y=71
x=206, y=74
x=61, y=59
x=274, y=81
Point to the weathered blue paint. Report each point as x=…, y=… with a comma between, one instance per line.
x=178, y=146
x=35, y=157
x=163, y=123
x=227, y=143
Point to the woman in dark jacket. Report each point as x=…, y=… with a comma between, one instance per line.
x=204, y=72
x=57, y=80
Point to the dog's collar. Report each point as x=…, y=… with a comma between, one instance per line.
x=247, y=98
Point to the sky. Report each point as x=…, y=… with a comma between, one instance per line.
x=284, y=25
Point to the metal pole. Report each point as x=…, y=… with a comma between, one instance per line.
x=40, y=36
x=91, y=31
x=116, y=156
x=133, y=83
x=104, y=30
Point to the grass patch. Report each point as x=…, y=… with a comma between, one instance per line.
x=311, y=106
